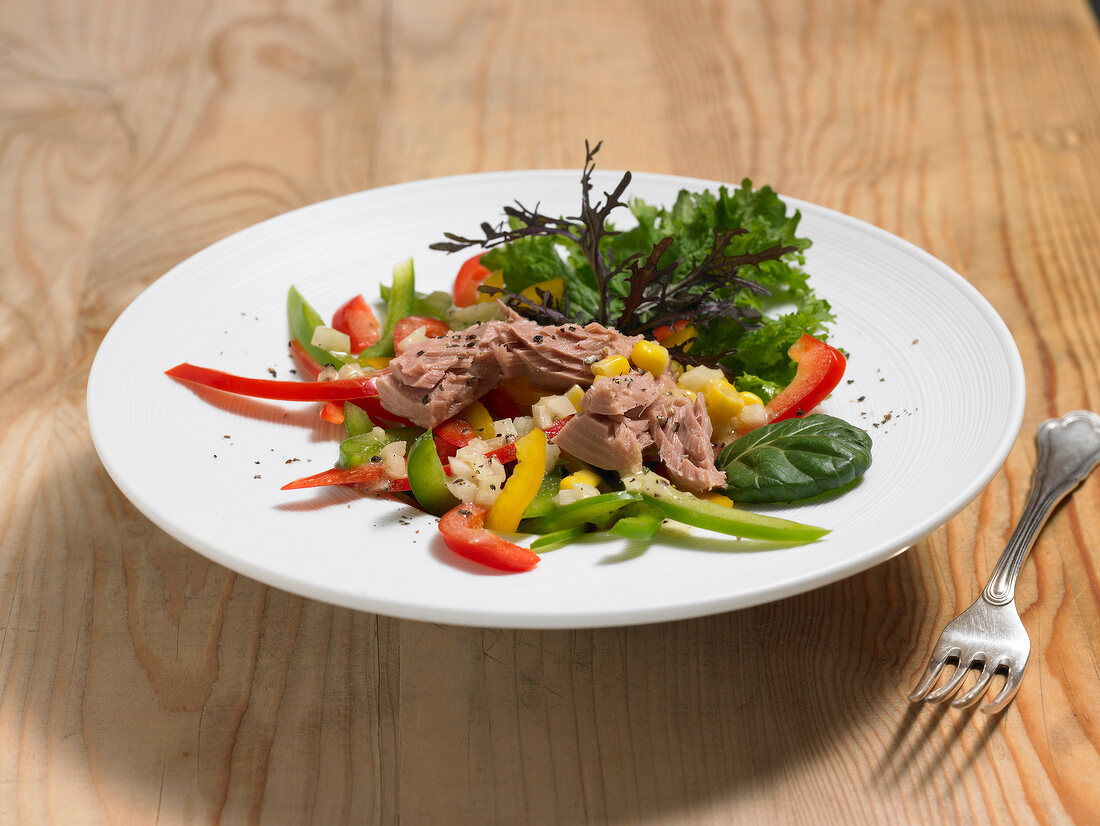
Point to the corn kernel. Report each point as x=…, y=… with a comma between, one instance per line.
x=676, y=370
x=581, y=477
x=611, y=366
x=751, y=398
x=650, y=356
x=723, y=400
x=717, y=498
x=575, y=394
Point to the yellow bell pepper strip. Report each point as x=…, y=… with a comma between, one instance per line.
x=522, y=485
x=479, y=419
x=463, y=531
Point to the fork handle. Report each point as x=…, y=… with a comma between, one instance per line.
x=1069, y=449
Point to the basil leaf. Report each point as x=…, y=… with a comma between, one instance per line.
x=794, y=459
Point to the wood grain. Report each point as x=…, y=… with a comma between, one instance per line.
x=140, y=683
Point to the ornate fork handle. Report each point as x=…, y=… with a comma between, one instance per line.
x=1069, y=448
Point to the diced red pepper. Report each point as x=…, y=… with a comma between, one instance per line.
x=471, y=275
x=820, y=369
x=370, y=478
x=292, y=391
x=333, y=412
x=463, y=530
x=459, y=434
x=357, y=319
x=666, y=330
x=456, y=432
x=507, y=452
x=433, y=328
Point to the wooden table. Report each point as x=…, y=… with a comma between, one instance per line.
x=140, y=683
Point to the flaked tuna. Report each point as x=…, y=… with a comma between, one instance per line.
x=437, y=378
x=681, y=432
x=625, y=416
x=611, y=442
x=556, y=358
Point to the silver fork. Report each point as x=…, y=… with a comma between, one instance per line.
x=989, y=634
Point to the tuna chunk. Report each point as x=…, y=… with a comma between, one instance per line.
x=436, y=379
x=610, y=442
x=624, y=417
x=629, y=394
x=681, y=431
x=557, y=357
x=627, y=415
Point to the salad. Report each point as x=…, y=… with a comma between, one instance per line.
x=581, y=378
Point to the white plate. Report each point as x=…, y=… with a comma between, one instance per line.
x=934, y=376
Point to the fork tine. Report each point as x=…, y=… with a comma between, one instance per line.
x=978, y=689
x=1011, y=686
x=935, y=665
x=952, y=685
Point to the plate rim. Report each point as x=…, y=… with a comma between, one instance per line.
x=616, y=617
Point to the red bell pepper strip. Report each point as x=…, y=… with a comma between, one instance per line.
x=471, y=275
x=463, y=530
x=371, y=478
x=291, y=391
x=820, y=368
x=357, y=319
x=304, y=359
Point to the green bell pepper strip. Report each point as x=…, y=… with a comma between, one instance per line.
x=595, y=509
x=641, y=526
x=558, y=537
x=699, y=513
x=427, y=479
x=303, y=320
x=544, y=502
x=400, y=305
x=356, y=420
x=363, y=447
x=732, y=521
x=431, y=305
